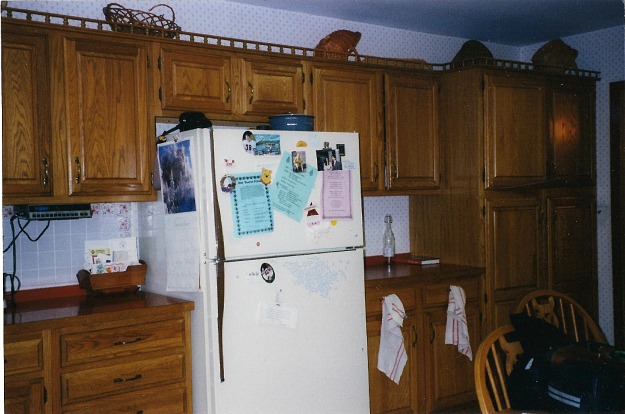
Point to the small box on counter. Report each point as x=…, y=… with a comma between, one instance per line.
x=114, y=282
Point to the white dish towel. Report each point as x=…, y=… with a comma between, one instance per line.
x=392, y=354
x=457, y=332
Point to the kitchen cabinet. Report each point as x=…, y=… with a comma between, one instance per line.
x=224, y=85
x=348, y=99
x=117, y=354
x=572, y=131
x=516, y=127
x=412, y=138
x=518, y=196
x=436, y=377
x=26, y=121
x=105, y=101
x=384, y=394
x=514, y=227
x=572, y=254
x=94, y=90
x=24, y=381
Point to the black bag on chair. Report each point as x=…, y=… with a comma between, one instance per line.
x=587, y=386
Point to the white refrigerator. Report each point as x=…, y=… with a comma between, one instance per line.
x=263, y=231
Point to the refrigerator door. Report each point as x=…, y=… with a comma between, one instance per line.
x=287, y=192
x=295, y=335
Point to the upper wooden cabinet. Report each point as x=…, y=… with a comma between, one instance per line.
x=347, y=99
x=224, y=85
x=539, y=129
x=105, y=104
x=272, y=87
x=516, y=128
x=572, y=130
x=412, y=139
x=26, y=123
x=194, y=78
x=75, y=125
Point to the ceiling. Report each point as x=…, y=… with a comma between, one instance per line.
x=509, y=22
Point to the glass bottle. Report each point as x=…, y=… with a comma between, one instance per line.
x=388, y=250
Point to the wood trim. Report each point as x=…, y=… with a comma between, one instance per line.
x=617, y=187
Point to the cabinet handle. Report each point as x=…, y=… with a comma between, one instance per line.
x=375, y=172
x=46, y=172
x=117, y=343
x=118, y=380
x=414, y=336
x=394, y=170
x=252, y=89
x=228, y=95
x=78, y=173
x=433, y=337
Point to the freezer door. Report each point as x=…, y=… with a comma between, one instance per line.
x=295, y=335
x=287, y=192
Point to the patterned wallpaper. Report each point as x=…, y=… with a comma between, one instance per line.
x=601, y=50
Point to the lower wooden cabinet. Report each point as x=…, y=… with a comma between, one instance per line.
x=118, y=354
x=437, y=377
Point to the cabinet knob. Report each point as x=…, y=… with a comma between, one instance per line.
x=46, y=172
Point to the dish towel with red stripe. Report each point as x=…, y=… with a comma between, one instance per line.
x=392, y=354
x=457, y=332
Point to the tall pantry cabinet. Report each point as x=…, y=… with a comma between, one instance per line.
x=517, y=185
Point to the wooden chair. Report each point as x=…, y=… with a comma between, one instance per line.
x=494, y=361
x=563, y=312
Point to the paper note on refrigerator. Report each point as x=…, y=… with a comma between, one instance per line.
x=279, y=315
x=336, y=195
x=251, y=206
x=292, y=188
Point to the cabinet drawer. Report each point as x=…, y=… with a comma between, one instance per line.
x=122, y=377
x=23, y=356
x=374, y=297
x=107, y=343
x=170, y=400
x=439, y=294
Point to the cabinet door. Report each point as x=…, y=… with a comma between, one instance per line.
x=196, y=79
x=384, y=395
x=448, y=373
x=347, y=100
x=412, y=139
x=26, y=141
x=516, y=130
x=572, y=248
x=106, y=109
x=272, y=88
x=572, y=122
x=24, y=396
x=514, y=254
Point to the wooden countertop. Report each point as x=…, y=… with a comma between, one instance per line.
x=401, y=273
x=59, y=312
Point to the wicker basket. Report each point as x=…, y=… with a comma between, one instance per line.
x=126, y=20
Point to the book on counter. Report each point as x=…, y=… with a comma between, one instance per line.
x=417, y=260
